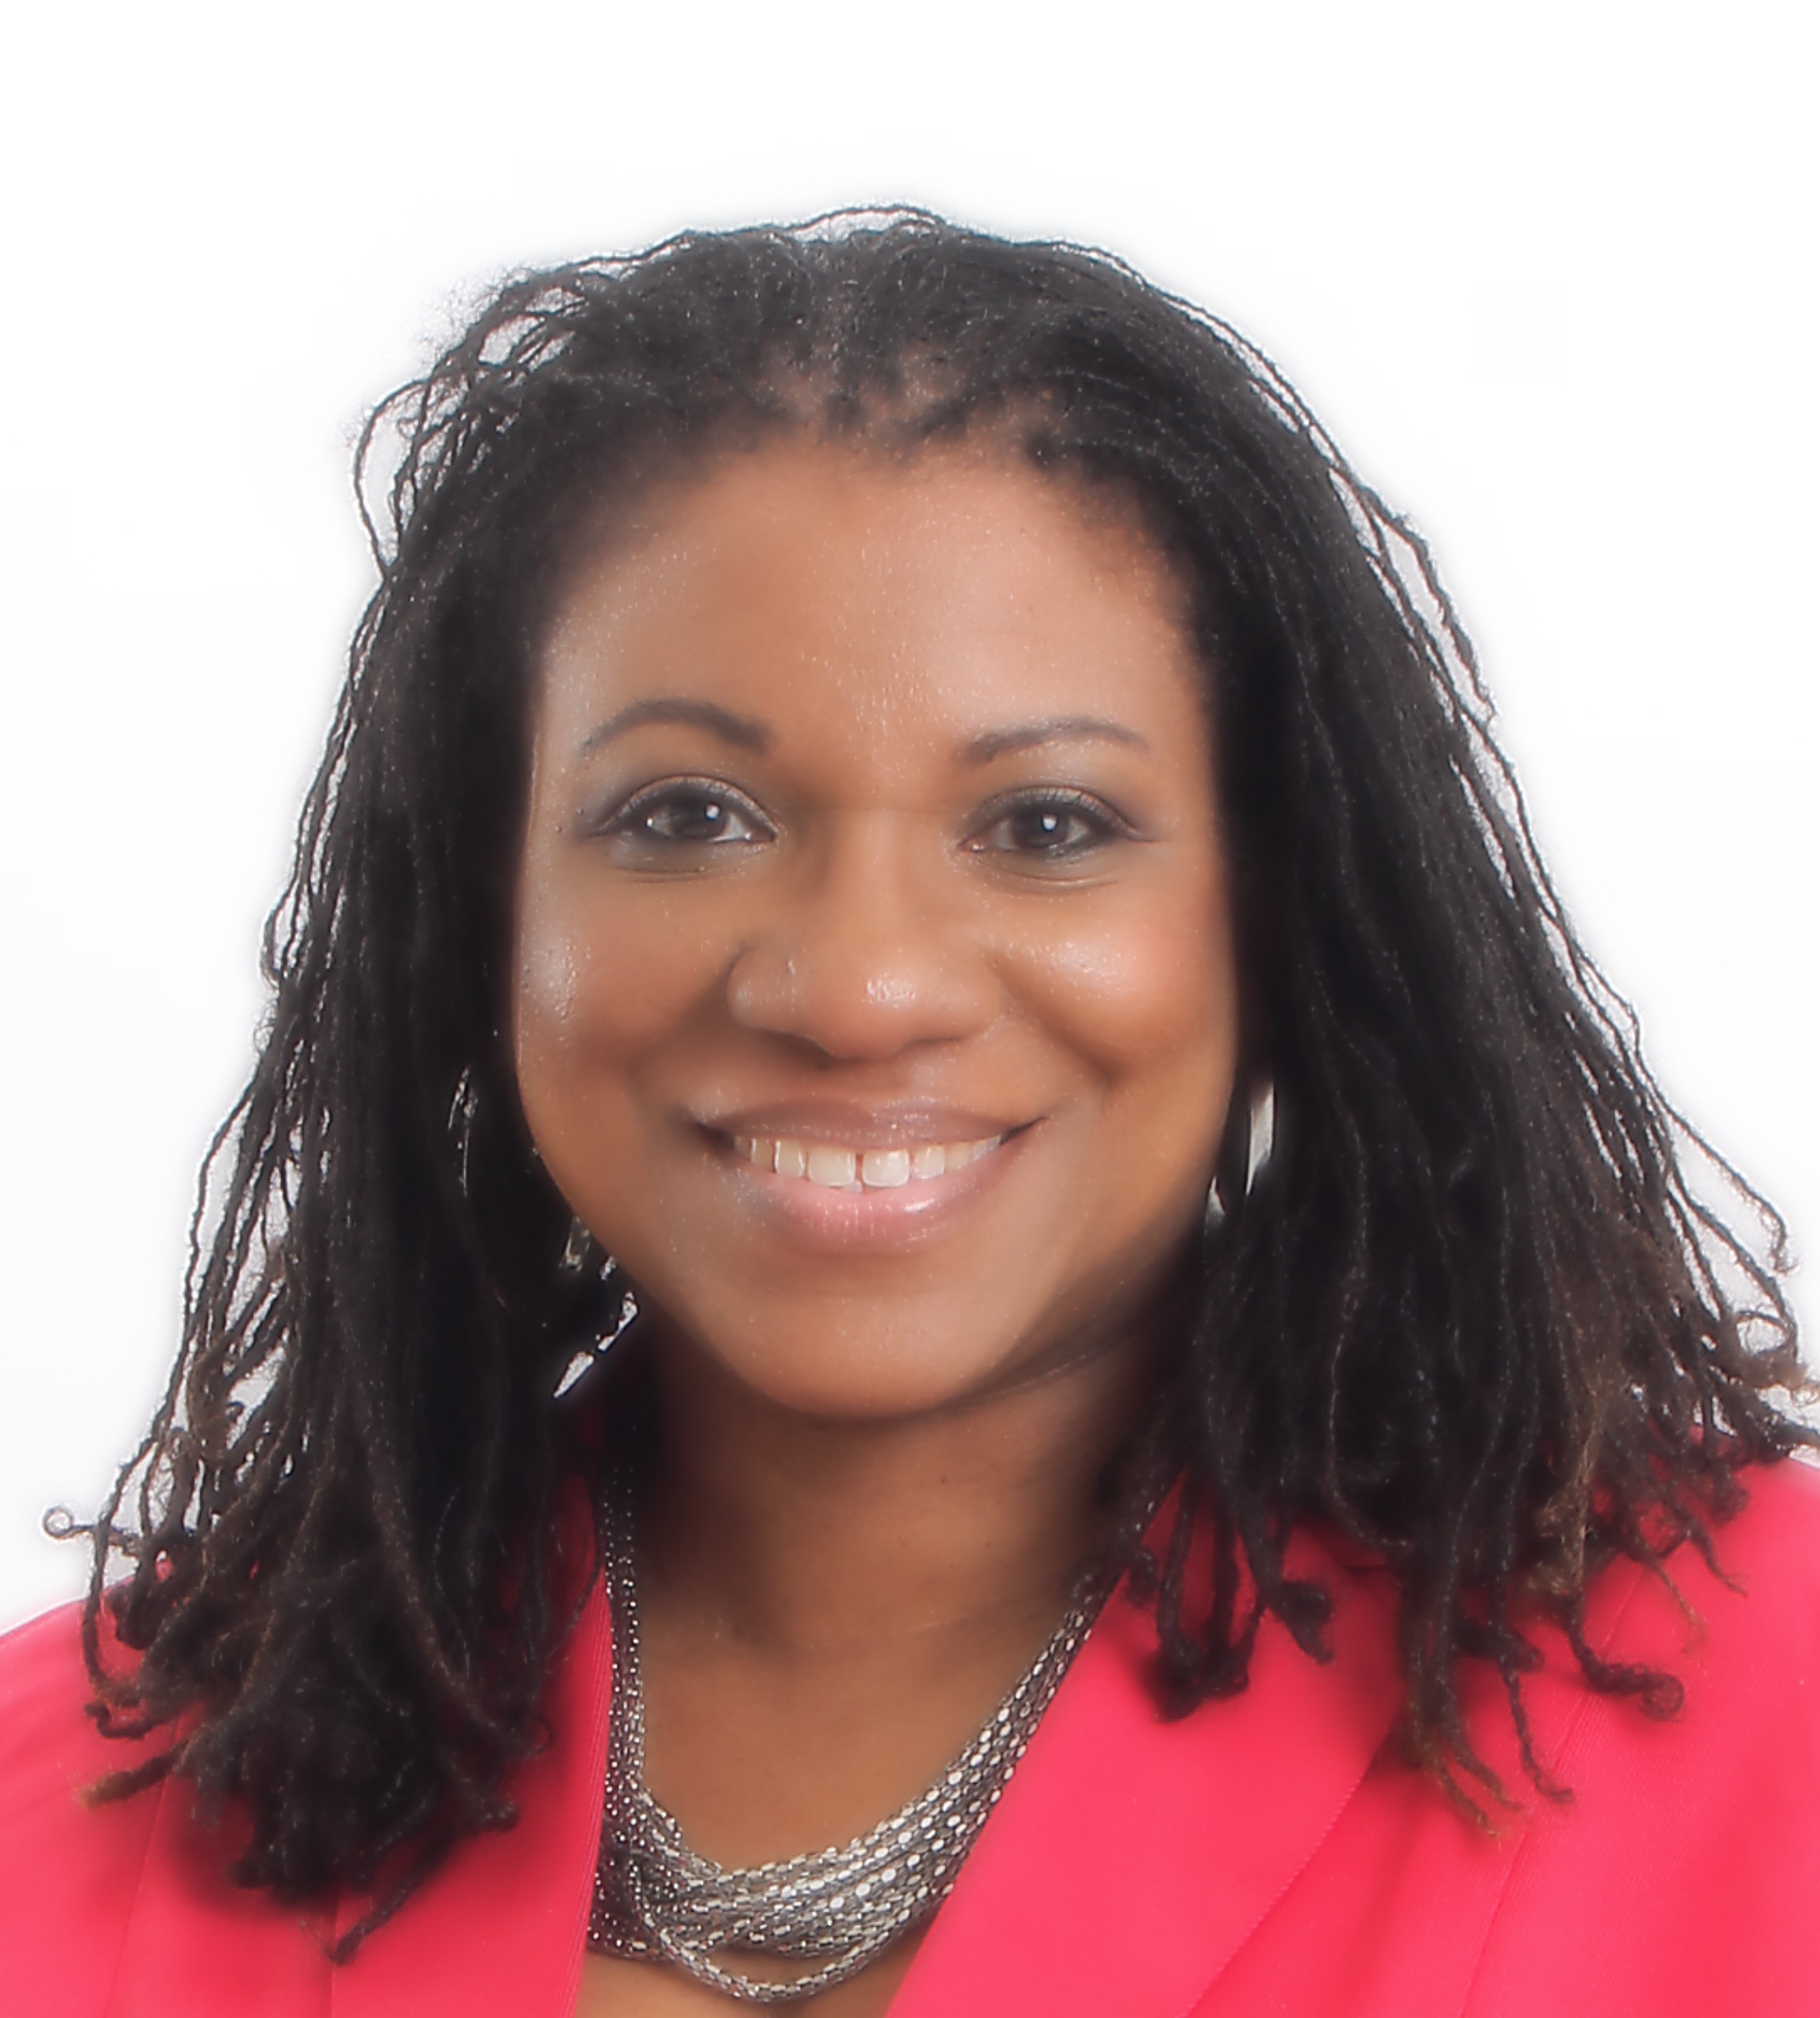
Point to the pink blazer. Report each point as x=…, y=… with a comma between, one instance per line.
x=1269, y=1854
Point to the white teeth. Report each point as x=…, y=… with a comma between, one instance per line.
x=837, y=1169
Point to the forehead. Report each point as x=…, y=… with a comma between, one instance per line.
x=854, y=599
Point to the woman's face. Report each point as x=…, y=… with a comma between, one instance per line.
x=874, y=992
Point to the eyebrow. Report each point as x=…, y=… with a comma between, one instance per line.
x=741, y=730
x=1004, y=742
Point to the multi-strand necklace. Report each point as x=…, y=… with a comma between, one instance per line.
x=833, y=1911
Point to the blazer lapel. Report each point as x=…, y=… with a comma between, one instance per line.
x=1131, y=1857
x=502, y=1926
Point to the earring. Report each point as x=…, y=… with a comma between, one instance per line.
x=1263, y=1142
x=579, y=1249
x=1244, y=1153
x=461, y=1111
x=582, y=1252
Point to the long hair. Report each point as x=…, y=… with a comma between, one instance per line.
x=1475, y=1311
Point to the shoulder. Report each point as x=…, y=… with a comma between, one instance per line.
x=1681, y=1876
x=1781, y=1517
x=1750, y=1618
x=1738, y=1633
x=51, y=1749
x=68, y=1869
x=1741, y=1635
x=1675, y=1872
x=1778, y=1526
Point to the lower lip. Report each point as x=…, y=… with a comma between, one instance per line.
x=890, y=1219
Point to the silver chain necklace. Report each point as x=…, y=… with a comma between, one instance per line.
x=834, y=1910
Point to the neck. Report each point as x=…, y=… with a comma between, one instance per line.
x=804, y=1535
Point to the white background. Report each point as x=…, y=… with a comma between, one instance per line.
x=1546, y=271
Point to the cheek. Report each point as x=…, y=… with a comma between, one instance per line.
x=555, y=973
x=548, y=981
x=595, y=986
x=575, y=957
x=1144, y=1003
x=1143, y=995
x=598, y=988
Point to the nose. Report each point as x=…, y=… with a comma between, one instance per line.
x=859, y=956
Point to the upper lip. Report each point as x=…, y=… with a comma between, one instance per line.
x=867, y=1126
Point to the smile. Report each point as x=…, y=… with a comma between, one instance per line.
x=833, y=1166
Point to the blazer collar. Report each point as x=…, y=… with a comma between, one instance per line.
x=1131, y=1857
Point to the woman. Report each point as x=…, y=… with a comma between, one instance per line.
x=900, y=816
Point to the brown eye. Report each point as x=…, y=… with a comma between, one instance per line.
x=689, y=815
x=1054, y=828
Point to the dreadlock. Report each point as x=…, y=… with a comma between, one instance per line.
x=1475, y=1313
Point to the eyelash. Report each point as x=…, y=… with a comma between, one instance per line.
x=632, y=820
x=1102, y=824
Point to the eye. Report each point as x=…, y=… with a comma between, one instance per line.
x=1048, y=828
x=685, y=814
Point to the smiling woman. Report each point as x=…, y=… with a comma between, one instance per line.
x=943, y=1287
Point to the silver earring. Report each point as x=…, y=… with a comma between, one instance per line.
x=461, y=1111
x=1263, y=1138
x=1259, y=1144
x=582, y=1254
x=579, y=1249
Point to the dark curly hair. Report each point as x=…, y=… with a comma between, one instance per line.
x=1477, y=1314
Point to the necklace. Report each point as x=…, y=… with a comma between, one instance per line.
x=834, y=1910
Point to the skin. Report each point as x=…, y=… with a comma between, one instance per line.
x=820, y=844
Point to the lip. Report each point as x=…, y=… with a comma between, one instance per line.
x=895, y=1219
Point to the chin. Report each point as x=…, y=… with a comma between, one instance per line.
x=857, y=1368
x=843, y=1384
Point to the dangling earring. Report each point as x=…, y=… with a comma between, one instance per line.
x=1263, y=1142
x=1248, y=1145
x=580, y=1248
x=461, y=1111
x=582, y=1254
